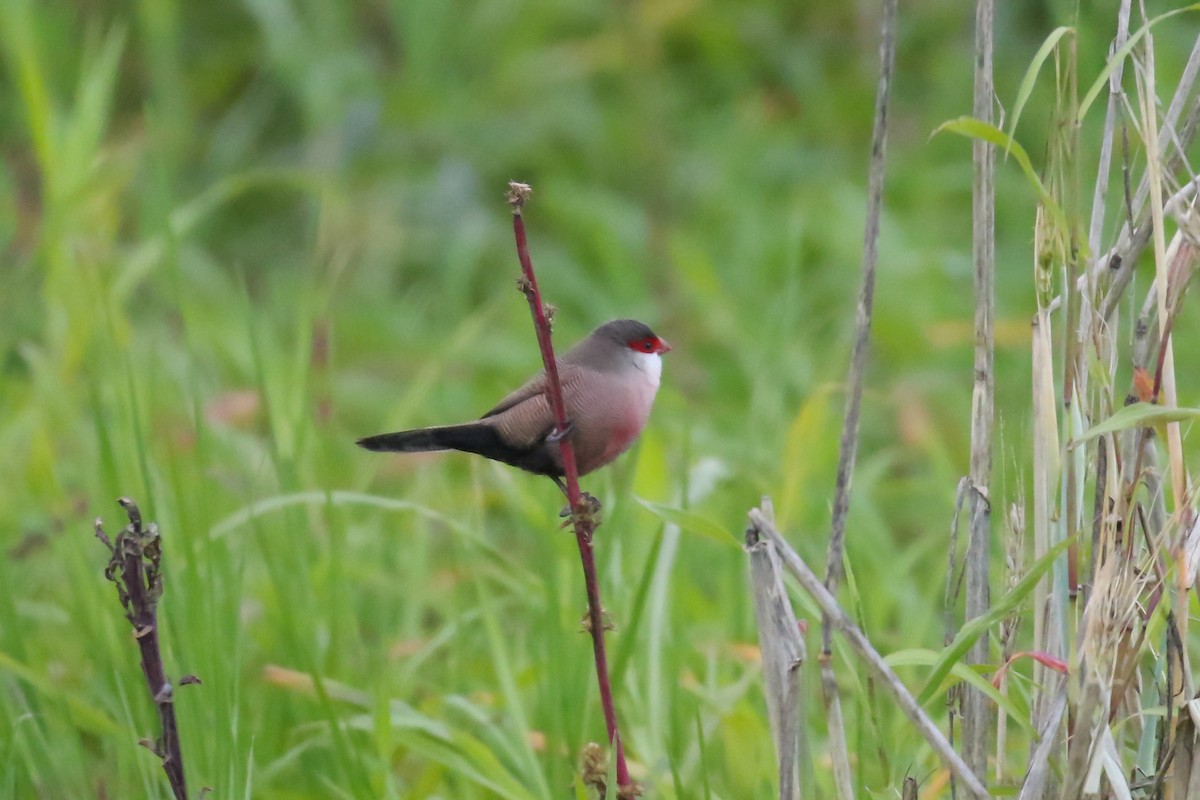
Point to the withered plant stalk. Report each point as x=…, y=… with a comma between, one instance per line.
x=136, y=569
x=975, y=713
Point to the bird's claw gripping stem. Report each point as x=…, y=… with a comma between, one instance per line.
x=561, y=432
x=588, y=506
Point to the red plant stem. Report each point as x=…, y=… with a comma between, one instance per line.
x=583, y=522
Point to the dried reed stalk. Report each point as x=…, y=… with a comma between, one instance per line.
x=848, y=447
x=975, y=713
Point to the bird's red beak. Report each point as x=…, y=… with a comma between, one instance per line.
x=663, y=347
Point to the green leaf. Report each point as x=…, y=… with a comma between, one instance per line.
x=691, y=522
x=963, y=672
x=1138, y=415
x=974, y=128
x=1035, y=66
x=454, y=748
x=967, y=635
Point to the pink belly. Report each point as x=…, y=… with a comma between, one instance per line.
x=622, y=437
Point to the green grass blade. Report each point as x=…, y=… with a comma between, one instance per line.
x=964, y=673
x=978, y=129
x=967, y=635
x=691, y=522
x=1035, y=67
x=1138, y=415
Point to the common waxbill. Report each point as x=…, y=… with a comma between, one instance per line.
x=608, y=382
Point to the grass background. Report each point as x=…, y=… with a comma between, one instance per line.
x=235, y=236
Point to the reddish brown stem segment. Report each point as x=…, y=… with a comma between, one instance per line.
x=582, y=519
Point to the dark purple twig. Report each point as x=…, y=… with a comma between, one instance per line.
x=136, y=569
x=583, y=516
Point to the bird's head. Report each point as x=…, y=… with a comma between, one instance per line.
x=632, y=335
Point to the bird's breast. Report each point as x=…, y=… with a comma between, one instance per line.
x=630, y=417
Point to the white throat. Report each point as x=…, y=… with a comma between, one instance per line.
x=650, y=366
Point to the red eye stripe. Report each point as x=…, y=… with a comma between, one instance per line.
x=649, y=344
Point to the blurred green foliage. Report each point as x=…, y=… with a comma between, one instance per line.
x=237, y=236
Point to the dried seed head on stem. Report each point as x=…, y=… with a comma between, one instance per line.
x=135, y=567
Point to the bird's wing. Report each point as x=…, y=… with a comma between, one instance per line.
x=567, y=375
x=532, y=388
x=524, y=416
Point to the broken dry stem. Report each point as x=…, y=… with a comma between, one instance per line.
x=783, y=656
x=863, y=647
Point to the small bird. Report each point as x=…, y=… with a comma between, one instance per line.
x=609, y=381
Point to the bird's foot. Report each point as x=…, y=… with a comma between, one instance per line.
x=589, y=505
x=561, y=432
x=588, y=508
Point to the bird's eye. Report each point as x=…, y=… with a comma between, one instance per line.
x=647, y=345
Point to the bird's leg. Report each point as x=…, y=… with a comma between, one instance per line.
x=566, y=512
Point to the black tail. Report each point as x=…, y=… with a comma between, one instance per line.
x=472, y=437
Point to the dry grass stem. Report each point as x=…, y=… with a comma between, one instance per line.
x=975, y=712
x=1121, y=259
x=1014, y=566
x=848, y=446
x=1115, y=101
x=1038, y=776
